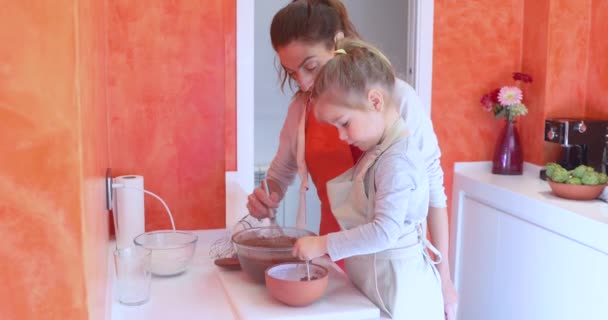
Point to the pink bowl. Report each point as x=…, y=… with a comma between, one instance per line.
x=575, y=191
x=288, y=283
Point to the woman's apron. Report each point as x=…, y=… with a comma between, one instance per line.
x=321, y=153
x=402, y=281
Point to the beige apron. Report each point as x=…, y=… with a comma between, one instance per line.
x=401, y=281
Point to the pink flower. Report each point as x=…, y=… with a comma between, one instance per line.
x=509, y=96
x=525, y=78
x=506, y=102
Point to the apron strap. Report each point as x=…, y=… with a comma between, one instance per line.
x=302, y=168
x=426, y=244
x=390, y=137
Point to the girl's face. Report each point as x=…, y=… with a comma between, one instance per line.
x=360, y=121
x=302, y=61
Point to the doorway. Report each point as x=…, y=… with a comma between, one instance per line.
x=401, y=29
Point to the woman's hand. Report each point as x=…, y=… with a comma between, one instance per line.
x=308, y=248
x=450, y=299
x=260, y=205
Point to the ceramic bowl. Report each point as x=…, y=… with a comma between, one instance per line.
x=263, y=247
x=288, y=283
x=574, y=191
x=172, y=251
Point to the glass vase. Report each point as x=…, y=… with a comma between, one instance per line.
x=508, y=157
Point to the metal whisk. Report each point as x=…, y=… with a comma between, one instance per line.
x=223, y=247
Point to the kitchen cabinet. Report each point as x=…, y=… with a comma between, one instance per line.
x=518, y=252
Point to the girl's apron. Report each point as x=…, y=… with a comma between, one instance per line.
x=401, y=281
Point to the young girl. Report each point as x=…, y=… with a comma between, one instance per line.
x=382, y=202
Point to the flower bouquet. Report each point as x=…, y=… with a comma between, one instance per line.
x=506, y=102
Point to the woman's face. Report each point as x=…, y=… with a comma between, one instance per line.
x=302, y=61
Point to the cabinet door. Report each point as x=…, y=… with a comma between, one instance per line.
x=512, y=269
x=544, y=275
x=475, y=271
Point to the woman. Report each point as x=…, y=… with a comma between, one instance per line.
x=304, y=35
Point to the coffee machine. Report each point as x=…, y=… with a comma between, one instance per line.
x=582, y=142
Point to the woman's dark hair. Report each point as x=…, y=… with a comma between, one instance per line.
x=310, y=21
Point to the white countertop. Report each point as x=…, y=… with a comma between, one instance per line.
x=199, y=294
x=341, y=300
x=530, y=198
x=195, y=294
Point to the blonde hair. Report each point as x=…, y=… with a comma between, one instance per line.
x=356, y=66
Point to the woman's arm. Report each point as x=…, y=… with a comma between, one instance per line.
x=438, y=228
x=283, y=167
x=421, y=129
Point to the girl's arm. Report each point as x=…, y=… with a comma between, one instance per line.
x=401, y=195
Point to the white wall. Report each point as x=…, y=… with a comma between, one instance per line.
x=271, y=108
x=382, y=22
x=239, y=183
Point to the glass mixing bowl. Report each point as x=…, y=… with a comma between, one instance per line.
x=263, y=247
x=172, y=251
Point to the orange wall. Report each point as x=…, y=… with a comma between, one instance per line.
x=230, y=82
x=478, y=44
x=556, y=50
x=597, y=80
x=94, y=151
x=52, y=134
x=86, y=82
x=535, y=62
x=170, y=75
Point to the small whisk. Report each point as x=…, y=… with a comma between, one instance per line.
x=308, y=270
x=223, y=247
x=273, y=216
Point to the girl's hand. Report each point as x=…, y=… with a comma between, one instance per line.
x=308, y=248
x=261, y=205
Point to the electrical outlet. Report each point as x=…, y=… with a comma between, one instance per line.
x=109, y=189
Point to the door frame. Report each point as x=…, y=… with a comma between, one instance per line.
x=420, y=49
x=239, y=183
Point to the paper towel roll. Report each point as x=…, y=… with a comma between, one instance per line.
x=129, y=210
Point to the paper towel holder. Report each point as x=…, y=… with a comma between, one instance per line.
x=109, y=189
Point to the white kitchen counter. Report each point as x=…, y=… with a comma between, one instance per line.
x=201, y=293
x=519, y=252
x=195, y=294
x=530, y=198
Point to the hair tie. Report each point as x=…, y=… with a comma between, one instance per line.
x=340, y=51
